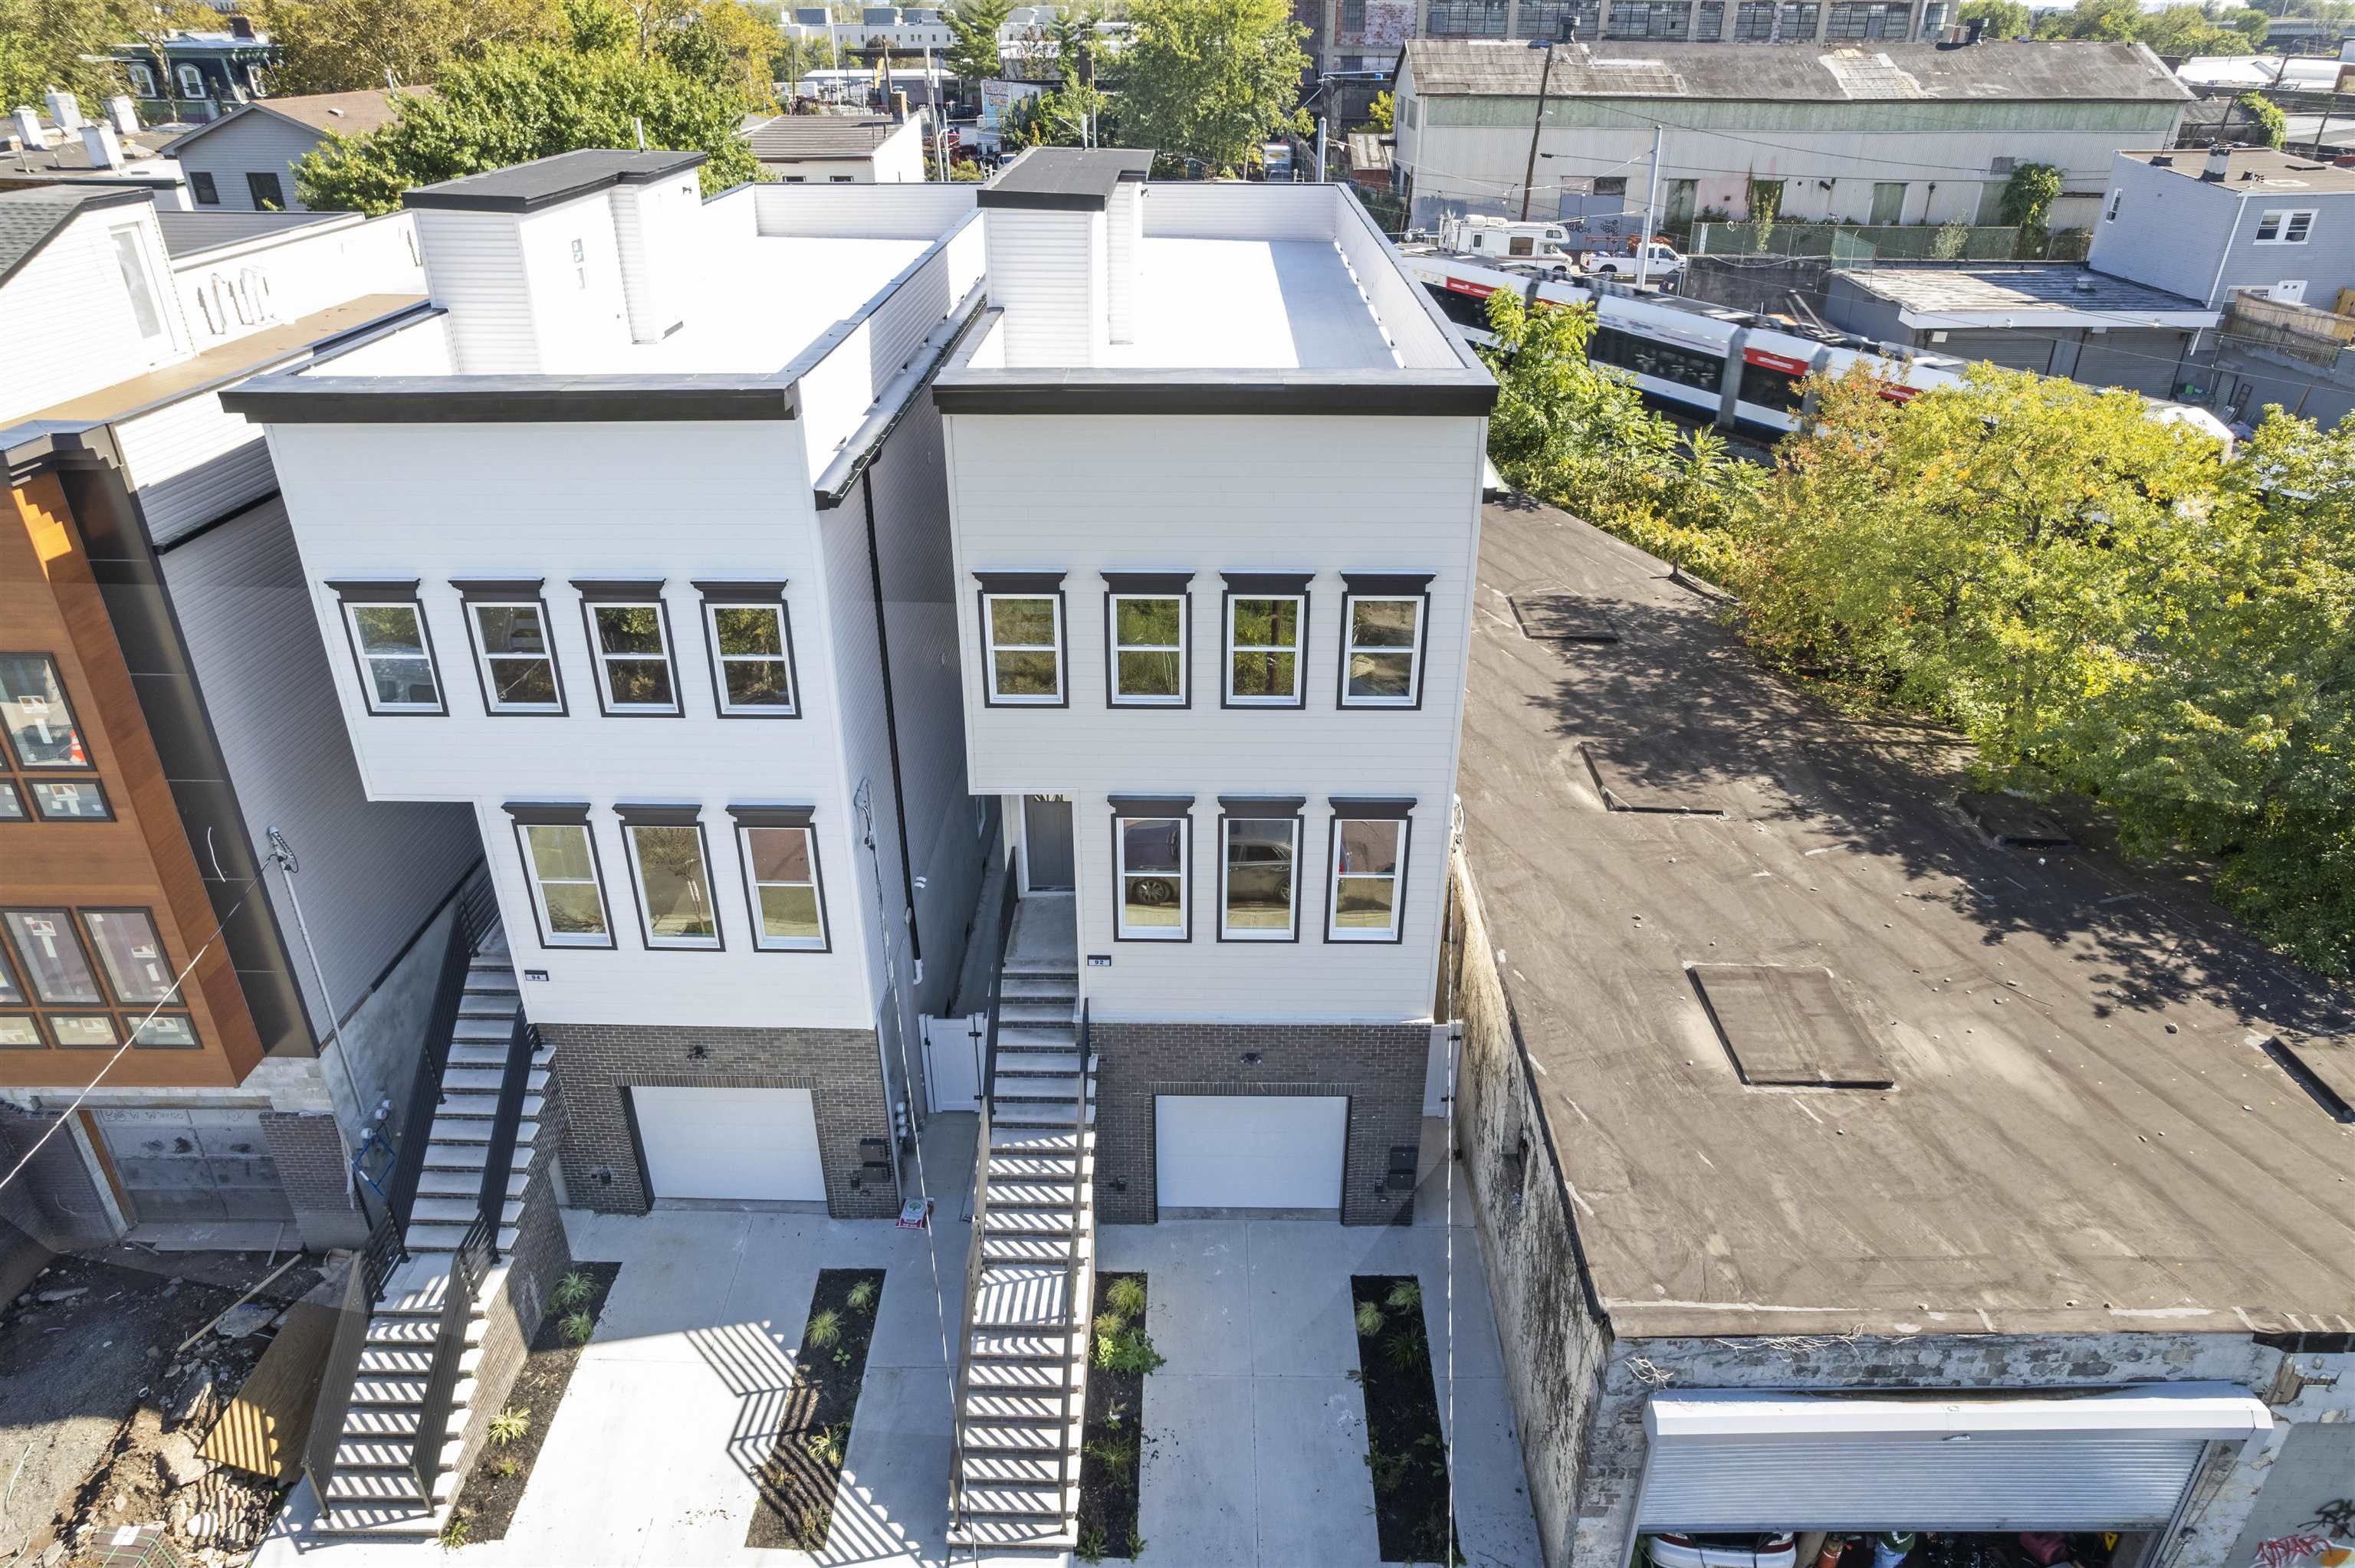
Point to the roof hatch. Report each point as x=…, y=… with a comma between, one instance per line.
x=1787, y=1027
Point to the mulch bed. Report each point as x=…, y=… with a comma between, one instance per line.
x=1111, y=1444
x=489, y=1497
x=797, y=1484
x=1406, y=1451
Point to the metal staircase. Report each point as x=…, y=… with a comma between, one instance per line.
x=1030, y=1272
x=390, y=1425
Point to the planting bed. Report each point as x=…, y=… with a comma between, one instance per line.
x=487, y=1501
x=1112, y=1440
x=797, y=1484
x=1406, y=1452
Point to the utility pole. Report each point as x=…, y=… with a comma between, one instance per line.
x=2327, y=111
x=1530, y=175
x=1651, y=205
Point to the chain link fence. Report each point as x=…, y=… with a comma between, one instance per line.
x=1862, y=245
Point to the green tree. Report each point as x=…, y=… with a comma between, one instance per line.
x=2250, y=23
x=2273, y=125
x=722, y=42
x=62, y=43
x=1060, y=117
x=1214, y=79
x=1382, y=111
x=346, y=45
x=516, y=104
x=973, y=29
x=2028, y=197
x=2001, y=18
x=2185, y=30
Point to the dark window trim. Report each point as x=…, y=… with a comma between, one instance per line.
x=106, y=976
x=982, y=595
x=73, y=775
x=1389, y=585
x=651, y=814
x=24, y=972
x=201, y=185
x=1267, y=585
x=1361, y=812
x=474, y=599
x=529, y=814
x=8, y=785
x=589, y=601
x=376, y=590
x=41, y=1041
x=718, y=943
x=742, y=595
x=1234, y=808
x=196, y=1037
x=1141, y=808
x=1226, y=698
x=1422, y=596
x=1372, y=808
x=343, y=602
x=773, y=816
x=35, y=770
x=14, y=976
x=1036, y=584
x=1263, y=808
x=1112, y=697
x=499, y=591
x=752, y=889
x=619, y=591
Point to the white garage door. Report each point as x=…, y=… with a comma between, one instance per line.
x=730, y=1143
x=1238, y=1151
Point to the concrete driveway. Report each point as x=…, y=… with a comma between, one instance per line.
x=1255, y=1434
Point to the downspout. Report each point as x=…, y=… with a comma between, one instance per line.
x=891, y=731
x=2240, y=211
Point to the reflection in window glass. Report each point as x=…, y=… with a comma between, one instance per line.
x=1259, y=862
x=1365, y=880
x=131, y=262
x=784, y=888
x=1264, y=650
x=12, y=804
x=1148, y=649
x=677, y=889
x=391, y=643
x=12, y=992
x=41, y=724
x=1024, y=660
x=44, y=939
x=17, y=1032
x=517, y=667
x=1383, y=633
x=1152, y=876
x=131, y=953
x=168, y=1029
x=64, y=801
x=82, y=1032
x=633, y=656
x=566, y=874
x=751, y=641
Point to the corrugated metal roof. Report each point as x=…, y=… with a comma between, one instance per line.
x=2024, y=71
x=789, y=138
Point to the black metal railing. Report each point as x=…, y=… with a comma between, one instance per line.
x=468, y=1265
x=477, y=916
x=379, y=1256
x=335, y=1382
x=521, y=1045
x=1008, y=902
x=1078, y=1317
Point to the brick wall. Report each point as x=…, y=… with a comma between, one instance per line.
x=1378, y=1066
x=595, y=1062
x=56, y=1200
x=314, y=1169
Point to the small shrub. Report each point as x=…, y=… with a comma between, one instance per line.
x=572, y=1292
x=576, y=1328
x=1135, y=1543
x=1406, y=1295
x=504, y=1468
x=1369, y=1319
x=1388, y=1469
x=509, y=1425
x=1092, y=1544
x=1125, y=1296
x=1403, y=1350
x=1107, y=1325
x=1129, y=1351
x=816, y=1521
x=825, y=1445
x=456, y=1531
x=1114, y=1454
x=862, y=1296
x=825, y=1327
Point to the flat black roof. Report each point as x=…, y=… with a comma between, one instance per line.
x=1066, y=179
x=544, y=182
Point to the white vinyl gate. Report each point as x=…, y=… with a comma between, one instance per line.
x=1731, y=1461
x=953, y=1048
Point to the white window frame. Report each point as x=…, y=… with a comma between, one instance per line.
x=1414, y=650
x=1299, y=650
x=143, y=80
x=645, y=911
x=549, y=936
x=752, y=885
x=483, y=657
x=602, y=661
x=130, y=255
x=720, y=661
x=2117, y=199
x=1228, y=933
x=991, y=648
x=1183, y=648
x=1183, y=931
x=184, y=74
x=2290, y=226
x=1334, y=930
x=347, y=607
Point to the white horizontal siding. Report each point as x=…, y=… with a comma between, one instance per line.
x=422, y=348
x=679, y=501
x=1046, y=271
x=909, y=211
x=191, y=462
x=579, y=317
x=1321, y=495
x=836, y=392
x=259, y=142
x=1235, y=209
x=1396, y=300
x=473, y=266
x=228, y=294
x=66, y=321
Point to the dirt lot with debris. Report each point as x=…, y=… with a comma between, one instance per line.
x=100, y=1421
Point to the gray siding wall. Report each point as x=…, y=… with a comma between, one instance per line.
x=2167, y=230
x=372, y=871
x=2326, y=262
x=1851, y=307
x=259, y=142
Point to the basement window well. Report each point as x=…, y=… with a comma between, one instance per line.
x=1787, y=1027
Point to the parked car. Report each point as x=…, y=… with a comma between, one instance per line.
x=1675, y=1551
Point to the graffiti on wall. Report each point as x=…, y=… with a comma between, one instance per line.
x=1388, y=22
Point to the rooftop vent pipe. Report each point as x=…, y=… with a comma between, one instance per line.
x=123, y=114
x=2220, y=163
x=28, y=125
x=65, y=111
x=105, y=149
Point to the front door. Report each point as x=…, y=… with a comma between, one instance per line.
x=1046, y=844
x=1888, y=201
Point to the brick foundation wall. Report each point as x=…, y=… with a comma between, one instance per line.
x=1378, y=1066
x=595, y=1062
x=313, y=1166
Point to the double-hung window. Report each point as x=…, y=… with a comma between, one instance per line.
x=560, y=862
x=39, y=724
x=1368, y=870
x=385, y=623
x=2284, y=226
x=629, y=640
x=1258, y=869
x=514, y=658
x=1266, y=635
x=1382, y=622
x=19, y=1029
x=1145, y=616
x=780, y=853
x=1149, y=840
x=751, y=646
x=673, y=875
x=1022, y=638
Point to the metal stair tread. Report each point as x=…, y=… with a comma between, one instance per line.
x=458, y=1077
x=1032, y=1064
x=1006, y=1499
x=1032, y=1439
x=420, y=1330
x=475, y=1129
x=466, y=1185
x=464, y=1104
x=999, y=1531
x=426, y=1237
x=1002, y=1408
x=461, y=1211
x=1042, y=1374
x=393, y=1421
x=1030, y=1140
x=1038, y=1222
x=1015, y=1466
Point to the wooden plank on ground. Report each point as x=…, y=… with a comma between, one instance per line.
x=264, y=1429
